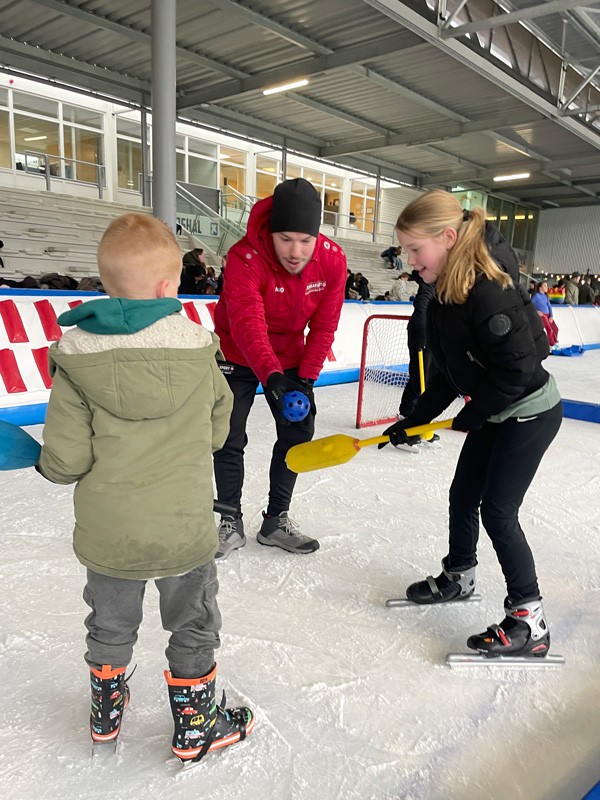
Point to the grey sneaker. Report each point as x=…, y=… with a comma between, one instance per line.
x=231, y=536
x=283, y=532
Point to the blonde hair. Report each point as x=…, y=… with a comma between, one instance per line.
x=427, y=217
x=137, y=252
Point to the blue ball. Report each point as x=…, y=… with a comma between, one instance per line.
x=296, y=406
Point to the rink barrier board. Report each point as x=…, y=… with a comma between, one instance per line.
x=28, y=326
x=594, y=793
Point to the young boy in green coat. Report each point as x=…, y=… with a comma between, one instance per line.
x=138, y=405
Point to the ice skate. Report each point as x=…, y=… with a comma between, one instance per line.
x=522, y=638
x=281, y=531
x=202, y=725
x=231, y=536
x=449, y=586
x=110, y=697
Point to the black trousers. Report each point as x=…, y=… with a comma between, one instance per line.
x=496, y=466
x=229, y=461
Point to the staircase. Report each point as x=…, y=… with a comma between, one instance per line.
x=364, y=257
x=49, y=232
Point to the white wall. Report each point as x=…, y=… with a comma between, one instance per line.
x=393, y=200
x=568, y=240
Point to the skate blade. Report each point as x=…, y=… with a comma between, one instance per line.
x=104, y=749
x=403, y=602
x=479, y=660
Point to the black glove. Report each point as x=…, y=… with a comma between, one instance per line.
x=397, y=434
x=307, y=385
x=468, y=419
x=275, y=388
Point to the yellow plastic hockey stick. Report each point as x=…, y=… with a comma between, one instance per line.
x=339, y=448
x=429, y=435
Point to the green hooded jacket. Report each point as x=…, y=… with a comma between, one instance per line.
x=133, y=419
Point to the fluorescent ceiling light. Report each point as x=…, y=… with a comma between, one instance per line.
x=517, y=176
x=34, y=138
x=285, y=86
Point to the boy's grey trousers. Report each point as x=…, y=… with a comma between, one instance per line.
x=188, y=609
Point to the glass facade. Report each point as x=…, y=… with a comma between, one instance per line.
x=54, y=133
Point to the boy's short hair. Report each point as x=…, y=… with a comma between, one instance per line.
x=137, y=249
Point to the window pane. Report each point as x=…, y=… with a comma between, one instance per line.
x=180, y=141
x=267, y=165
x=129, y=127
x=265, y=184
x=82, y=116
x=233, y=156
x=234, y=177
x=358, y=187
x=129, y=163
x=3, y=96
x=202, y=148
x=83, y=146
x=4, y=140
x=180, y=167
x=37, y=105
x=314, y=177
x=202, y=172
x=36, y=136
x=291, y=171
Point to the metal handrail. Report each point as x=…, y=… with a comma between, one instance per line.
x=227, y=228
x=100, y=169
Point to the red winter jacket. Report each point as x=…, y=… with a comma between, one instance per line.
x=263, y=310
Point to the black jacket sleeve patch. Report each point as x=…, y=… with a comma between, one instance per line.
x=500, y=324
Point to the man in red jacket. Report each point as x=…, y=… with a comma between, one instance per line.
x=282, y=277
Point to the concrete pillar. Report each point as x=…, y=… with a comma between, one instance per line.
x=164, y=81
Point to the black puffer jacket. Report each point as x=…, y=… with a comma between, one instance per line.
x=489, y=347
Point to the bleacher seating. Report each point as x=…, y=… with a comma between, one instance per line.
x=365, y=257
x=47, y=232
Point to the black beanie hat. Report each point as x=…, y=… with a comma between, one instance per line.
x=296, y=208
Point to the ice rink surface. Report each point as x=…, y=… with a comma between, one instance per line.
x=353, y=700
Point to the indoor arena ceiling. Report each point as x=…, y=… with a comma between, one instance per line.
x=437, y=93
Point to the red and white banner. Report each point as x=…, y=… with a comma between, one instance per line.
x=28, y=326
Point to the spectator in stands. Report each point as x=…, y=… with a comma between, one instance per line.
x=541, y=301
x=390, y=255
x=90, y=285
x=194, y=258
x=487, y=341
x=282, y=277
x=532, y=286
x=27, y=283
x=211, y=280
x=361, y=286
x=221, y=277
x=586, y=293
x=572, y=289
x=349, y=292
x=193, y=279
x=404, y=289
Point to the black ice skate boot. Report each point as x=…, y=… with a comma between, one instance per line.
x=523, y=632
x=200, y=724
x=450, y=584
x=110, y=696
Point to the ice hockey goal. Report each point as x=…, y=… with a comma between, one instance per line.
x=384, y=371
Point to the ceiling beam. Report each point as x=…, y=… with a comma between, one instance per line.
x=298, y=69
x=417, y=23
x=256, y=18
x=501, y=20
x=432, y=134
x=70, y=72
x=136, y=35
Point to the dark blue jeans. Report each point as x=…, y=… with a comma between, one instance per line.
x=495, y=468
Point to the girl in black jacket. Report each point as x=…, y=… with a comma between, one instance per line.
x=488, y=343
